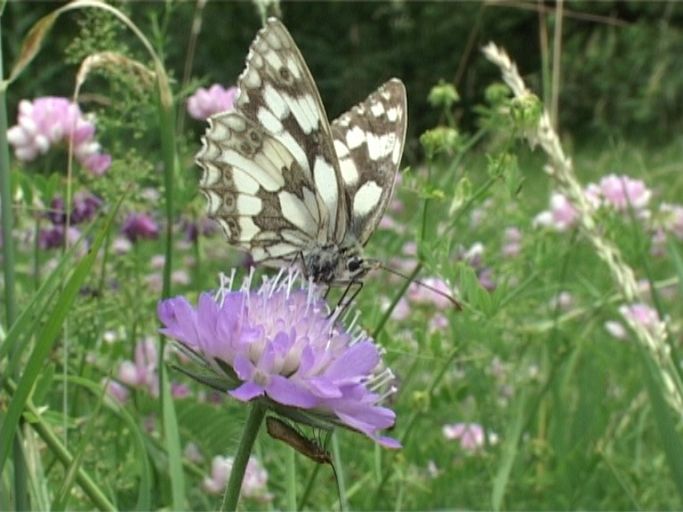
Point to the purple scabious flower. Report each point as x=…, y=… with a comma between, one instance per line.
x=49, y=121
x=207, y=102
x=280, y=343
x=139, y=226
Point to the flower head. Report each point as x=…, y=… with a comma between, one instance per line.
x=254, y=485
x=207, y=102
x=280, y=342
x=140, y=226
x=561, y=216
x=620, y=192
x=471, y=436
x=49, y=121
x=142, y=372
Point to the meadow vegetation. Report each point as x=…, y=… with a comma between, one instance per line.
x=540, y=186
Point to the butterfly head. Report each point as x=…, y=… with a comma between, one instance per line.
x=332, y=264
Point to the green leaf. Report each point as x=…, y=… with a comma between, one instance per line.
x=510, y=448
x=172, y=442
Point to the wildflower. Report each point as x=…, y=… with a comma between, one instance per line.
x=279, y=343
x=512, y=242
x=49, y=121
x=254, y=484
x=142, y=372
x=203, y=226
x=207, y=102
x=116, y=391
x=193, y=453
x=561, y=301
x=616, y=329
x=85, y=207
x=642, y=314
x=561, y=216
x=471, y=436
x=56, y=212
x=138, y=226
x=401, y=310
x=672, y=221
x=121, y=245
x=423, y=295
x=437, y=323
x=621, y=191
x=53, y=237
x=634, y=314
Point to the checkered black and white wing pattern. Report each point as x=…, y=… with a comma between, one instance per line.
x=368, y=140
x=278, y=92
x=270, y=171
x=258, y=192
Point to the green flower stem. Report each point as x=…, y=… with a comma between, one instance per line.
x=251, y=428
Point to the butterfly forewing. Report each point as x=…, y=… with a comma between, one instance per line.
x=369, y=141
x=277, y=91
x=249, y=181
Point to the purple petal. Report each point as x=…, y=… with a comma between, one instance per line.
x=324, y=388
x=286, y=392
x=247, y=391
x=388, y=442
x=354, y=363
x=179, y=319
x=243, y=367
x=282, y=343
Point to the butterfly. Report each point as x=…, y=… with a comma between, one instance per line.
x=286, y=185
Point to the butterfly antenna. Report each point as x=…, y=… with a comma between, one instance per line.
x=441, y=293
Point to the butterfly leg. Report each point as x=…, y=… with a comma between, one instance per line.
x=344, y=303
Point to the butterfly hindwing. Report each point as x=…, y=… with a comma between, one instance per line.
x=369, y=142
x=278, y=92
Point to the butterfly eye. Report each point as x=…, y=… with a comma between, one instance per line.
x=354, y=264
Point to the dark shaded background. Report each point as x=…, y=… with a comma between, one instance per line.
x=621, y=72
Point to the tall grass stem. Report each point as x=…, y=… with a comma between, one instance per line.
x=8, y=266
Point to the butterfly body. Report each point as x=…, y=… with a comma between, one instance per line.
x=288, y=186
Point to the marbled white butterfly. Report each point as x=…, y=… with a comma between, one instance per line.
x=287, y=186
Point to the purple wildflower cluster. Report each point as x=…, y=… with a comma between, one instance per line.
x=207, y=102
x=140, y=226
x=85, y=206
x=282, y=343
x=638, y=313
x=50, y=121
x=613, y=191
x=141, y=373
x=618, y=194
